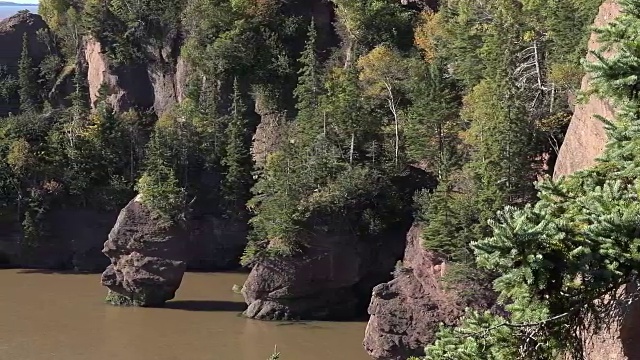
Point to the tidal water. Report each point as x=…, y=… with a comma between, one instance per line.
x=45, y=316
x=7, y=11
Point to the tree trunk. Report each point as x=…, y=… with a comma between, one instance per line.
x=394, y=111
x=353, y=140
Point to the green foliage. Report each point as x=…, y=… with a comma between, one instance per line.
x=129, y=31
x=237, y=161
x=433, y=123
x=332, y=173
x=374, y=22
x=309, y=87
x=164, y=183
x=252, y=43
x=8, y=85
x=563, y=259
x=27, y=80
x=66, y=158
x=449, y=218
x=160, y=191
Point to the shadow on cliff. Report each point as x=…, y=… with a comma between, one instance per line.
x=206, y=305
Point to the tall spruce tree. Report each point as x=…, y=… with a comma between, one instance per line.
x=27, y=80
x=237, y=161
x=309, y=88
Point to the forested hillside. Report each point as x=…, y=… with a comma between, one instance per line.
x=330, y=124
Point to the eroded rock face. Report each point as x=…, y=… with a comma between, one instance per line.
x=155, y=85
x=127, y=86
x=586, y=138
x=147, y=261
x=406, y=312
x=326, y=282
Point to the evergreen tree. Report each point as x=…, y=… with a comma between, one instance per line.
x=309, y=87
x=27, y=81
x=433, y=120
x=563, y=260
x=237, y=161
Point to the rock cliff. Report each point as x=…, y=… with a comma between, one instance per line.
x=619, y=339
x=12, y=31
x=74, y=241
x=585, y=138
x=328, y=281
x=156, y=85
x=406, y=312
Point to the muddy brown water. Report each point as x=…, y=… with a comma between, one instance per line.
x=63, y=317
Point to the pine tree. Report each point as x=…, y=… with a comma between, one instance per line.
x=27, y=81
x=237, y=160
x=309, y=87
x=433, y=121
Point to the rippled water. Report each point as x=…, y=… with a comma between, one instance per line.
x=62, y=316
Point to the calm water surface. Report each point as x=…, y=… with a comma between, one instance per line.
x=53, y=316
x=7, y=11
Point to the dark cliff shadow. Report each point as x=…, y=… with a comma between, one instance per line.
x=206, y=305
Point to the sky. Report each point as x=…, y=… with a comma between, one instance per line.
x=32, y=2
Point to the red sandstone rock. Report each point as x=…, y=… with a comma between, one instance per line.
x=407, y=311
x=586, y=137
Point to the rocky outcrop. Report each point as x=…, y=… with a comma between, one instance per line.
x=269, y=132
x=407, y=311
x=12, y=31
x=147, y=261
x=75, y=239
x=332, y=276
x=127, y=86
x=618, y=340
x=585, y=138
x=156, y=85
x=327, y=281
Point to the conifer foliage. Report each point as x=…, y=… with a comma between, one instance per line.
x=562, y=260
